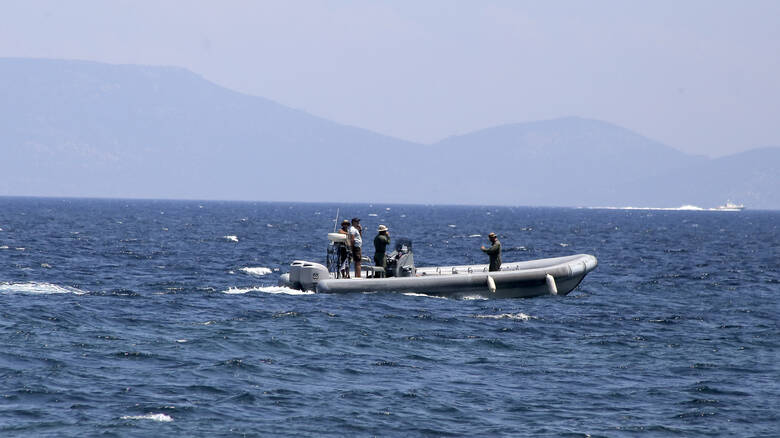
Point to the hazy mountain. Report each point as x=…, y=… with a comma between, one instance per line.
x=751, y=178
x=73, y=128
x=581, y=162
x=569, y=161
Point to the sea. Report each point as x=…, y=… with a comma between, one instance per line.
x=164, y=318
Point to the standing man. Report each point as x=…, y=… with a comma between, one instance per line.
x=356, y=238
x=494, y=252
x=381, y=241
x=343, y=248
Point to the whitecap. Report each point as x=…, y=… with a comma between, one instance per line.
x=259, y=271
x=475, y=235
x=266, y=289
x=372, y=214
x=452, y=225
x=517, y=316
x=4, y=247
x=564, y=245
x=39, y=288
x=231, y=238
x=154, y=417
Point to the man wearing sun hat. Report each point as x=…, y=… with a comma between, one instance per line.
x=494, y=252
x=381, y=241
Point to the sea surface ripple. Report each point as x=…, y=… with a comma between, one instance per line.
x=152, y=318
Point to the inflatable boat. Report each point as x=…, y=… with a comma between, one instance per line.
x=556, y=276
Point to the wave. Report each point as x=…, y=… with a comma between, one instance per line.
x=154, y=417
x=415, y=294
x=518, y=316
x=259, y=271
x=231, y=238
x=266, y=289
x=39, y=289
x=681, y=208
x=473, y=298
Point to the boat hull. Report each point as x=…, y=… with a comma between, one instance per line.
x=515, y=280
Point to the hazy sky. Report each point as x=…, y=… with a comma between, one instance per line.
x=701, y=76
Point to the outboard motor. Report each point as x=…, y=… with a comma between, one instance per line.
x=311, y=274
x=295, y=274
x=400, y=263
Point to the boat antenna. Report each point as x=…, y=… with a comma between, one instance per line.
x=336, y=222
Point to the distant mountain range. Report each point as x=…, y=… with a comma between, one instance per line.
x=85, y=129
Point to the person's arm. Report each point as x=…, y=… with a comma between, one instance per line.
x=492, y=250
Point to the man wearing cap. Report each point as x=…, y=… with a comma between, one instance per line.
x=381, y=241
x=494, y=252
x=356, y=239
x=343, y=249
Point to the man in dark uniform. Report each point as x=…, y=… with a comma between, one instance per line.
x=344, y=251
x=494, y=252
x=381, y=241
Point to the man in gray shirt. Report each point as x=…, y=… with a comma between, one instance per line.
x=356, y=241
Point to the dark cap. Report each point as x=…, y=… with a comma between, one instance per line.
x=355, y=219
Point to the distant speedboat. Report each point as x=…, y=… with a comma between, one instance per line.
x=729, y=206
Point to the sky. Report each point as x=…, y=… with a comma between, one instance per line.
x=700, y=76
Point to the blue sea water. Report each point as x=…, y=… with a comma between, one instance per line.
x=152, y=318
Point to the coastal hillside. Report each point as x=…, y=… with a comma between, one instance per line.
x=73, y=128
x=86, y=129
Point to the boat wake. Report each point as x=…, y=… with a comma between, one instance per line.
x=266, y=289
x=258, y=271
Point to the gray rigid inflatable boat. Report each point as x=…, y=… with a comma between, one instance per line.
x=559, y=275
